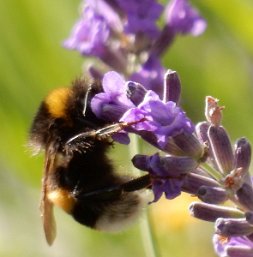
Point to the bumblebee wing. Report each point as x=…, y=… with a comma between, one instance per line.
x=46, y=206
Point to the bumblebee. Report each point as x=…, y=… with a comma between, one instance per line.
x=78, y=176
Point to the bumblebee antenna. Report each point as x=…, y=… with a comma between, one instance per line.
x=85, y=102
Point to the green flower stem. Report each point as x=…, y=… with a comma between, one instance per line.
x=149, y=243
x=212, y=172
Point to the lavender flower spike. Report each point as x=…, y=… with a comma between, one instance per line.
x=91, y=36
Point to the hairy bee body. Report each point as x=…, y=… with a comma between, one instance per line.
x=78, y=176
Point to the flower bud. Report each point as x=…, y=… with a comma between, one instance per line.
x=233, y=227
x=135, y=92
x=245, y=196
x=201, y=131
x=222, y=148
x=211, y=212
x=243, y=158
x=242, y=154
x=141, y=162
x=213, y=195
x=95, y=73
x=240, y=251
x=189, y=144
x=193, y=181
x=172, y=87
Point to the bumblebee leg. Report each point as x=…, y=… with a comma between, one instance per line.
x=114, y=192
x=102, y=133
x=114, y=128
x=137, y=184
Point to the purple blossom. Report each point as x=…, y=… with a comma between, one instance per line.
x=233, y=247
x=141, y=16
x=90, y=34
x=151, y=75
x=113, y=102
x=170, y=187
x=105, y=9
x=182, y=18
x=164, y=120
x=166, y=173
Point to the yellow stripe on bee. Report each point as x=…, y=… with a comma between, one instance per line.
x=62, y=198
x=56, y=102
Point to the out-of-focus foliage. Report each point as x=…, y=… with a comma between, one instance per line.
x=32, y=61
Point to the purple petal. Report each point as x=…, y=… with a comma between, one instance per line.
x=172, y=188
x=161, y=113
x=113, y=83
x=157, y=187
x=141, y=16
x=90, y=34
x=114, y=102
x=108, y=13
x=151, y=75
x=182, y=18
x=97, y=103
x=121, y=138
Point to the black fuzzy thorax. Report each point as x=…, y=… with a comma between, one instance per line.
x=81, y=171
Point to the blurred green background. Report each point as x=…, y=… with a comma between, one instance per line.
x=32, y=62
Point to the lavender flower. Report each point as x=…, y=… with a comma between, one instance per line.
x=166, y=173
x=90, y=34
x=113, y=31
x=113, y=103
x=151, y=75
x=182, y=18
x=196, y=159
x=141, y=16
x=164, y=120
